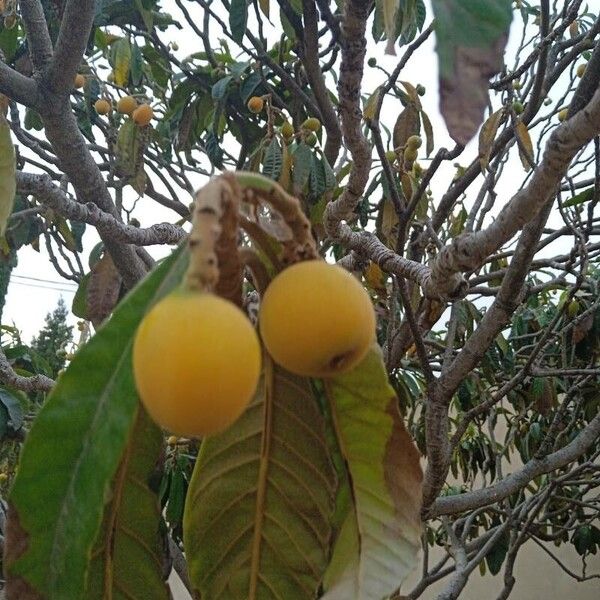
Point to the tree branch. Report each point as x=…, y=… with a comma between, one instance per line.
x=515, y=481
x=36, y=28
x=35, y=383
x=50, y=195
x=75, y=28
x=18, y=87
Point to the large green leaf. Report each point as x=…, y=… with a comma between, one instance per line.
x=238, y=17
x=471, y=35
x=379, y=539
x=73, y=452
x=257, y=517
x=126, y=560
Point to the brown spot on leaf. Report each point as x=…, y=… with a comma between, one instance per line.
x=464, y=96
x=403, y=474
x=15, y=545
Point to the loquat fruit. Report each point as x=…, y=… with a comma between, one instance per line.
x=316, y=319
x=256, y=104
x=102, y=106
x=79, y=81
x=142, y=115
x=196, y=363
x=126, y=105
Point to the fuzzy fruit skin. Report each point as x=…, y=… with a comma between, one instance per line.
x=581, y=70
x=287, y=130
x=79, y=81
x=126, y=105
x=142, y=115
x=414, y=142
x=196, y=363
x=256, y=104
x=312, y=124
x=562, y=115
x=316, y=319
x=102, y=106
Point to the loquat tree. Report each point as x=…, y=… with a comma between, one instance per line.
x=361, y=357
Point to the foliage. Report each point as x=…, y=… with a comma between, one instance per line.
x=52, y=341
x=316, y=490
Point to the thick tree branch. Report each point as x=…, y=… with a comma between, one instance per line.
x=18, y=87
x=317, y=82
x=36, y=28
x=469, y=251
x=354, y=47
x=75, y=28
x=44, y=190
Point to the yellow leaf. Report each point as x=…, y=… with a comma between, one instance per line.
x=389, y=223
x=371, y=105
x=8, y=184
x=390, y=9
x=486, y=137
x=285, y=178
x=375, y=277
x=122, y=51
x=525, y=145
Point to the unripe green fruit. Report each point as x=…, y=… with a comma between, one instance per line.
x=312, y=124
x=414, y=142
x=372, y=62
x=311, y=139
x=287, y=130
x=391, y=156
x=410, y=155
x=421, y=90
x=562, y=115
x=518, y=107
x=517, y=85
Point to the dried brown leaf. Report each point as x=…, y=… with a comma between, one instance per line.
x=487, y=136
x=407, y=124
x=464, y=95
x=102, y=290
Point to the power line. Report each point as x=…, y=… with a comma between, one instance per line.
x=44, y=287
x=17, y=276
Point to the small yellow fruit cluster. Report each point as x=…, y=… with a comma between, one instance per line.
x=141, y=114
x=197, y=358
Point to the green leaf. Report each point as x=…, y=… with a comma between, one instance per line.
x=12, y=412
x=126, y=559
x=580, y=198
x=137, y=65
x=238, y=17
x=219, y=89
x=121, y=53
x=273, y=159
x=302, y=158
x=495, y=557
x=257, y=516
x=8, y=169
x=85, y=425
x=379, y=541
x=471, y=35
x=79, y=306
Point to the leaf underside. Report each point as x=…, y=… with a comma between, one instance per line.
x=379, y=539
x=257, y=518
x=127, y=557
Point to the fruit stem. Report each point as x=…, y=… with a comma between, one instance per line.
x=203, y=271
x=303, y=245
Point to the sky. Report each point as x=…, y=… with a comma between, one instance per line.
x=35, y=286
